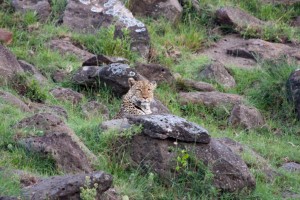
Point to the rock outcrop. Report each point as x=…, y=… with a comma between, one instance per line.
x=54, y=138
x=88, y=16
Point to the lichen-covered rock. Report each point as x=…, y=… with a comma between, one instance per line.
x=209, y=98
x=41, y=7
x=114, y=75
x=57, y=140
x=170, y=127
x=218, y=73
x=99, y=60
x=246, y=117
x=90, y=16
x=9, y=66
x=170, y=9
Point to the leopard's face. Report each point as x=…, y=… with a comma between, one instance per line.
x=141, y=93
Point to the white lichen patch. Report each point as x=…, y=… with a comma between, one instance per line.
x=116, y=9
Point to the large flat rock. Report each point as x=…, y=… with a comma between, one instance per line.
x=170, y=127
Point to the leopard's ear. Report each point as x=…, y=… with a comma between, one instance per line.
x=154, y=84
x=131, y=82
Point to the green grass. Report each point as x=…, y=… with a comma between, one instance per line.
x=262, y=87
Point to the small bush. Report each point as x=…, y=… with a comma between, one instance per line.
x=29, y=87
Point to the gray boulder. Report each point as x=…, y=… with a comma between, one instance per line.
x=246, y=117
x=209, y=98
x=218, y=73
x=230, y=172
x=238, y=18
x=89, y=16
x=29, y=68
x=114, y=76
x=67, y=186
x=170, y=9
x=67, y=94
x=65, y=47
x=42, y=7
x=257, y=50
x=155, y=72
x=291, y=167
x=188, y=85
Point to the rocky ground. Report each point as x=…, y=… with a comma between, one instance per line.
x=226, y=112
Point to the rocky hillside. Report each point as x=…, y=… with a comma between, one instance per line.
x=225, y=117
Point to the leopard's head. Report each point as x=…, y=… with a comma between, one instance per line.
x=141, y=94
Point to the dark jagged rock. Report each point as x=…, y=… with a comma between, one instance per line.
x=170, y=127
x=39, y=108
x=155, y=72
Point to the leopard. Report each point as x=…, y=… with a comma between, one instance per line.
x=138, y=98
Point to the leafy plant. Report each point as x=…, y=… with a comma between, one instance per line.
x=88, y=192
